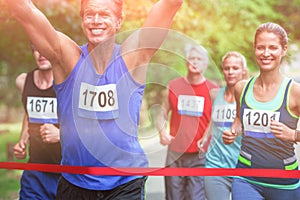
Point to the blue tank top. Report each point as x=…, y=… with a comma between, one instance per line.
x=220, y=155
x=260, y=148
x=99, y=117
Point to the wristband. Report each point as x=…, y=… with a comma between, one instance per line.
x=296, y=136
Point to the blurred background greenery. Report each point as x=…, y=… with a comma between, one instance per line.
x=9, y=179
x=218, y=25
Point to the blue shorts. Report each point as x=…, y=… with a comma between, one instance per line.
x=244, y=190
x=38, y=185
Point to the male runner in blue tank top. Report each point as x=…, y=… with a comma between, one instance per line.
x=99, y=88
x=268, y=110
x=39, y=130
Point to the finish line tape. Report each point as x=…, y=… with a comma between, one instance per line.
x=109, y=171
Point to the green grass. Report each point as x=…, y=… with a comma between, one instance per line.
x=9, y=181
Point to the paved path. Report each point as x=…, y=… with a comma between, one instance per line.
x=156, y=153
x=155, y=189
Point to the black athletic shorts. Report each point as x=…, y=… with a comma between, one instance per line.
x=133, y=190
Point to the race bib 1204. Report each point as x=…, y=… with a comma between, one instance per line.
x=257, y=122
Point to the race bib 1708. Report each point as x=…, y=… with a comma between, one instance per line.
x=98, y=98
x=190, y=105
x=42, y=109
x=257, y=122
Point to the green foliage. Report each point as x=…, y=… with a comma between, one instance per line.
x=221, y=26
x=9, y=182
x=218, y=25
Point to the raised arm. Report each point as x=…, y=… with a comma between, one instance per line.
x=145, y=42
x=53, y=45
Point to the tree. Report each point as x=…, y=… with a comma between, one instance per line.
x=218, y=25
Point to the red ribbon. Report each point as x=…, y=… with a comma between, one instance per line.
x=151, y=171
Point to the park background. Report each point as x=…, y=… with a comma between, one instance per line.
x=217, y=25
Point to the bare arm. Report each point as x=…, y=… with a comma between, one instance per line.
x=140, y=46
x=207, y=134
x=279, y=129
x=201, y=143
x=236, y=128
x=162, y=120
x=237, y=123
x=20, y=147
x=59, y=49
x=20, y=82
x=49, y=133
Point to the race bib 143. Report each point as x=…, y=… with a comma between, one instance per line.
x=190, y=105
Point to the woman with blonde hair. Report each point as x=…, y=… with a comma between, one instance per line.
x=234, y=68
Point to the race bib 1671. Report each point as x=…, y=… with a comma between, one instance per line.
x=42, y=109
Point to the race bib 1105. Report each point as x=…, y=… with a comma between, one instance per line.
x=223, y=115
